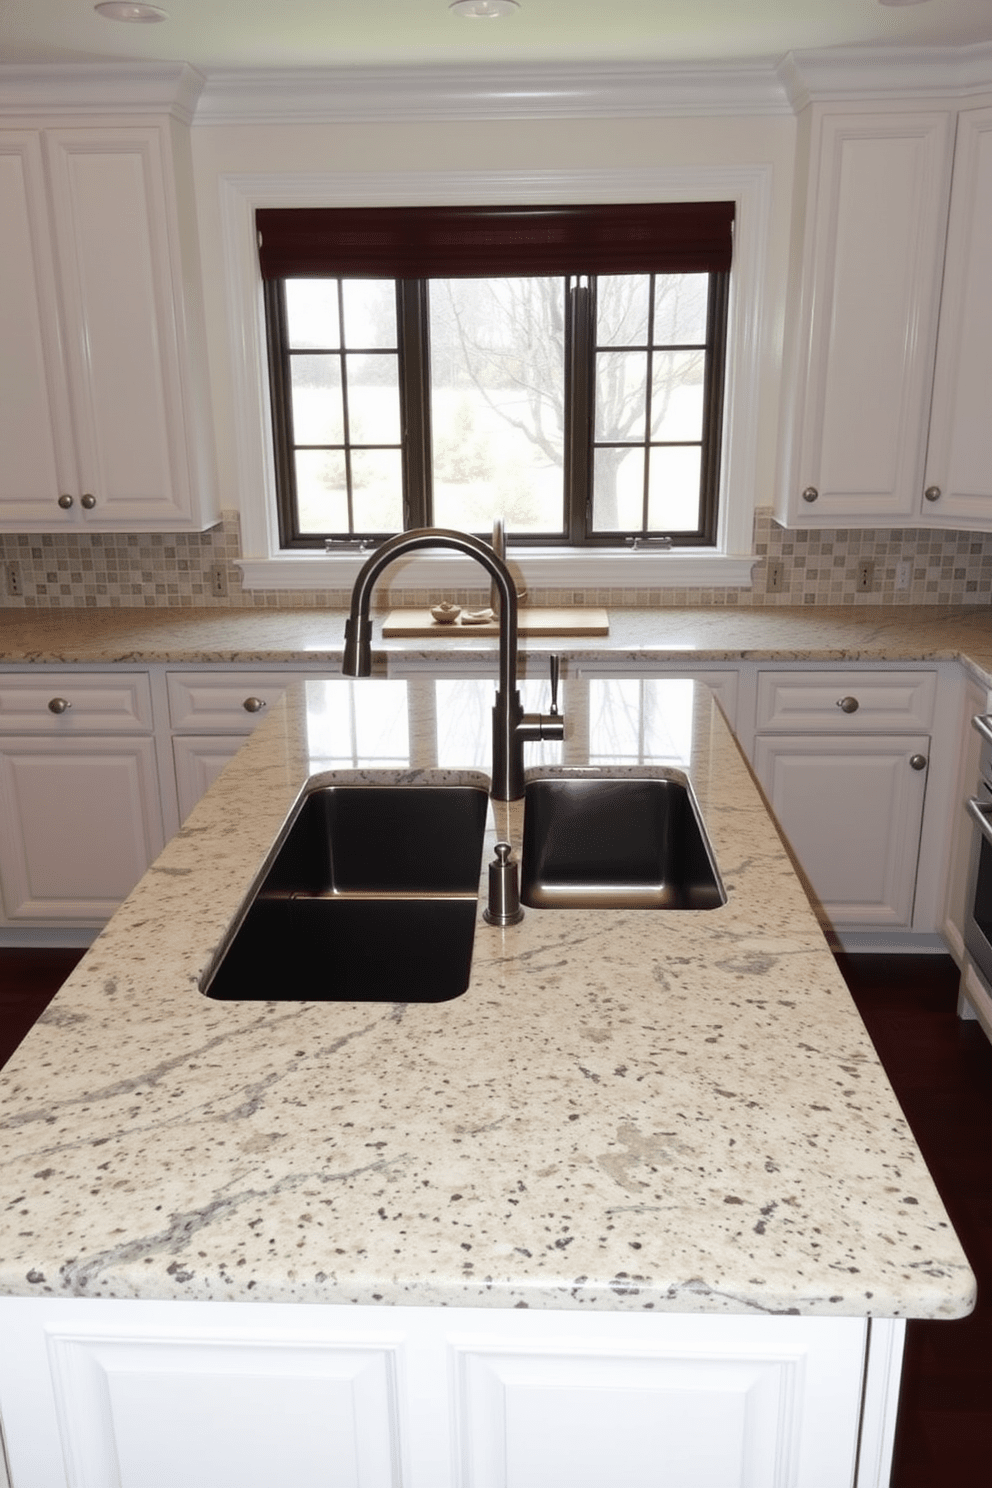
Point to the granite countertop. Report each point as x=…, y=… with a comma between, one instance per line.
x=627, y=1110
x=845, y=633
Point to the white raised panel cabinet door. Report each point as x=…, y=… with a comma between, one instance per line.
x=852, y=810
x=199, y=759
x=867, y=320
x=80, y=822
x=38, y=462
x=958, y=479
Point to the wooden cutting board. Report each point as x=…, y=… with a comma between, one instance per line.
x=418, y=624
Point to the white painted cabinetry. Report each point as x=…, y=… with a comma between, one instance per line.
x=843, y=758
x=959, y=456
x=211, y=713
x=878, y=432
x=150, y=1395
x=80, y=811
x=104, y=413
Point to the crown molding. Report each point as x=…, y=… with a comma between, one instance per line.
x=100, y=88
x=355, y=94
x=852, y=74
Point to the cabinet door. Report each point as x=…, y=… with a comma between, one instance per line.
x=851, y=810
x=199, y=760
x=121, y=338
x=80, y=821
x=959, y=455
x=38, y=454
x=867, y=322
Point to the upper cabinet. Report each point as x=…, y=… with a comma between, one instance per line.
x=874, y=309
x=958, y=482
x=104, y=419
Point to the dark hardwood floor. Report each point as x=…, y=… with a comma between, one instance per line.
x=941, y=1069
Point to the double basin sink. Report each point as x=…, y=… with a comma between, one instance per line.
x=372, y=892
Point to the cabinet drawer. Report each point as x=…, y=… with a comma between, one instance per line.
x=212, y=702
x=845, y=702
x=66, y=703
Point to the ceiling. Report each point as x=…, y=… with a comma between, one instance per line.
x=213, y=34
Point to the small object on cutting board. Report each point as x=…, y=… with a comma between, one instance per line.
x=445, y=613
x=477, y=617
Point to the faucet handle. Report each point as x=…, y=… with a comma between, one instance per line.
x=555, y=664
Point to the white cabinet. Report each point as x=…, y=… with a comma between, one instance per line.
x=104, y=418
x=80, y=810
x=149, y=1395
x=865, y=315
x=843, y=760
x=211, y=713
x=958, y=477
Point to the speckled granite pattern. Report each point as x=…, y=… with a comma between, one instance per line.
x=626, y=1110
x=882, y=632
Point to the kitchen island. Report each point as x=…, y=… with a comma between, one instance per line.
x=638, y=1136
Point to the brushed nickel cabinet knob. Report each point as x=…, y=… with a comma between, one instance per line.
x=59, y=705
x=917, y=762
x=65, y=501
x=253, y=705
x=848, y=704
x=88, y=501
x=932, y=493
x=811, y=494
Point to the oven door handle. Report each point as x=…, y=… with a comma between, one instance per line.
x=982, y=724
x=980, y=811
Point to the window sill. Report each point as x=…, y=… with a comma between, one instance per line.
x=537, y=568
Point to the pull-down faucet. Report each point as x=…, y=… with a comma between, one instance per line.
x=512, y=727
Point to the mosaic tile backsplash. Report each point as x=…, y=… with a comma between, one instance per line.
x=128, y=570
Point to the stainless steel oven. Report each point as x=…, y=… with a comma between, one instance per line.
x=978, y=911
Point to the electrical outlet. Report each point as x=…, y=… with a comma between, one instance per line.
x=13, y=579
x=866, y=575
x=773, y=577
x=904, y=575
x=218, y=580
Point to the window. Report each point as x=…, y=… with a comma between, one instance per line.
x=560, y=367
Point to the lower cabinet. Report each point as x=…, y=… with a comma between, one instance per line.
x=80, y=808
x=852, y=811
x=102, y=1394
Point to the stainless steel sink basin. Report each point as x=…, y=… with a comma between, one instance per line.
x=616, y=841
x=371, y=896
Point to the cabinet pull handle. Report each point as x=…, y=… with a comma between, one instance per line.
x=917, y=761
x=65, y=501
x=848, y=704
x=253, y=705
x=932, y=493
x=59, y=705
x=811, y=494
x=87, y=501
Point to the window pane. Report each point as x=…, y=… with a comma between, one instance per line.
x=677, y=395
x=373, y=399
x=680, y=309
x=622, y=303
x=621, y=394
x=618, y=490
x=369, y=313
x=321, y=491
x=377, y=485
x=673, y=489
x=312, y=309
x=497, y=402
x=317, y=410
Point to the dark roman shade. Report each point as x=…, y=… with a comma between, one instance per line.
x=490, y=242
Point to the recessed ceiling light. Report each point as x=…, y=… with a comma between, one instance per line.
x=129, y=10
x=483, y=10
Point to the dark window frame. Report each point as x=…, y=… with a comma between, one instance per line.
x=300, y=244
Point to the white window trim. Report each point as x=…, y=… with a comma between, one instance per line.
x=265, y=566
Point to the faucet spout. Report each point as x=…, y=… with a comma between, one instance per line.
x=510, y=726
